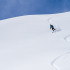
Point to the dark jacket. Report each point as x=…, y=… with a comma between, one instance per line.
x=51, y=26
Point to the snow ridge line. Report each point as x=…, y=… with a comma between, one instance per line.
x=53, y=62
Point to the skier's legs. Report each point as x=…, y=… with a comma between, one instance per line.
x=53, y=29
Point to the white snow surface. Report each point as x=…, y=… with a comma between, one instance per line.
x=27, y=43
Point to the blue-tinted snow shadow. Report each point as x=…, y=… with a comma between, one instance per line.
x=58, y=30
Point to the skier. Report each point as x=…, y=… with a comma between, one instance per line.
x=52, y=27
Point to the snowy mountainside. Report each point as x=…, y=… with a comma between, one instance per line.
x=27, y=43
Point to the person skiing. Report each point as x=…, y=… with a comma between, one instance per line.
x=52, y=27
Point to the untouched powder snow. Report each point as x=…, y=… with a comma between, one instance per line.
x=27, y=43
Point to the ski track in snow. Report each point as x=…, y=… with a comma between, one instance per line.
x=55, y=26
x=57, y=58
x=67, y=38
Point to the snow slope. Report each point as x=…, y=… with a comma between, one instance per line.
x=27, y=43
